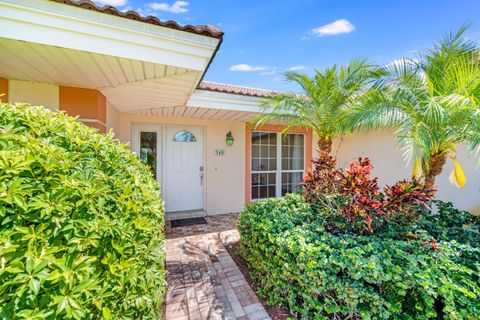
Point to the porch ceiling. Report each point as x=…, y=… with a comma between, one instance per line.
x=199, y=113
x=128, y=84
x=136, y=65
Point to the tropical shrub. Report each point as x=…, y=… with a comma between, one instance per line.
x=81, y=233
x=297, y=263
x=351, y=200
x=456, y=226
x=451, y=224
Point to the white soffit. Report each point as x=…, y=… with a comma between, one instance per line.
x=128, y=84
x=199, y=113
x=224, y=101
x=56, y=24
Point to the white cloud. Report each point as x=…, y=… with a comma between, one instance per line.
x=334, y=28
x=269, y=72
x=296, y=68
x=115, y=3
x=247, y=68
x=176, y=7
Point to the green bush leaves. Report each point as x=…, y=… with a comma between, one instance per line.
x=81, y=222
x=319, y=275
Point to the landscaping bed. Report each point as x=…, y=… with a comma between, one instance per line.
x=340, y=251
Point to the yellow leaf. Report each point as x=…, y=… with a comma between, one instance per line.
x=417, y=169
x=457, y=177
x=106, y=313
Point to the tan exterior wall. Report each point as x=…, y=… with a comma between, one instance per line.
x=224, y=175
x=35, y=93
x=112, y=117
x=389, y=166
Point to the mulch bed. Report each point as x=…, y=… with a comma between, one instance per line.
x=275, y=312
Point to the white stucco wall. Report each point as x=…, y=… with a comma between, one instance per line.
x=224, y=175
x=389, y=166
x=35, y=93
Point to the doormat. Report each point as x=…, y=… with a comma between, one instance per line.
x=188, y=222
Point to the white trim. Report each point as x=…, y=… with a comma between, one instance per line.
x=279, y=171
x=225, y=101
x=56, y=24
x=137, y=127
x=92, y=121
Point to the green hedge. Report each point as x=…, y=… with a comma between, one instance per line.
x=319, y=275
x=81, y=232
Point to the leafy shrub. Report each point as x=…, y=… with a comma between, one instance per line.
x=449, y=223
x=350, y=200
x=456, y=226
x=297, y=263
x=81, y=232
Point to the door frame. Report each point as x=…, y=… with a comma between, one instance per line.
x=160, y=128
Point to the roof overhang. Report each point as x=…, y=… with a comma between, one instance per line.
x=135, y=64
x=211, y=105
x=225, y=101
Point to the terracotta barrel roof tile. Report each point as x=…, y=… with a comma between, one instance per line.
x=235, y=89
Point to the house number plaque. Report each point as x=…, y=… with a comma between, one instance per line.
x=219, y=152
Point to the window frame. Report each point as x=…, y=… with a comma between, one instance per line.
x=278, y=172
x=186, y=141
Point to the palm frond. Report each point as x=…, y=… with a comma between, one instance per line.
x=324, y=101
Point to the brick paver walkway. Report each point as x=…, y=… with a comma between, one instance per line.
x=203, y=280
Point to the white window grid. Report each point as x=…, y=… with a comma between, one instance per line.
x=278, y=172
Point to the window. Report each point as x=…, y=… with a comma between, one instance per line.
x=148, y=150
x=184, y=136
x=277, y=164
x=264, y=165
x=292, y=162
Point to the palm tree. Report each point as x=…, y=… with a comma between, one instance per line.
x=323, y=103
x=432, y=101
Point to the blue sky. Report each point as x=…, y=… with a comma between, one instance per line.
x=265, y=38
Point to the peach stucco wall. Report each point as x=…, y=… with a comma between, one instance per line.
x=3, y=90
x=389, y=166
x=89, y=105
x=224, y=175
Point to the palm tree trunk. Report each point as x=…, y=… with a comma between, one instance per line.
x=325, y=144
x=437, y=161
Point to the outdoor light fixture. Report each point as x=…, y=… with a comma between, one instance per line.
x=229, y=140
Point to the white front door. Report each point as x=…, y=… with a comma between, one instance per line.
x=184, y=170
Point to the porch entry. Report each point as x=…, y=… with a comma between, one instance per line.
x=175, y=155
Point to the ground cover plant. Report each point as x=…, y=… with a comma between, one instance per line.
x=81, y=222
x=343, y=249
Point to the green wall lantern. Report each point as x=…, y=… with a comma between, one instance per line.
x=229, y=140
